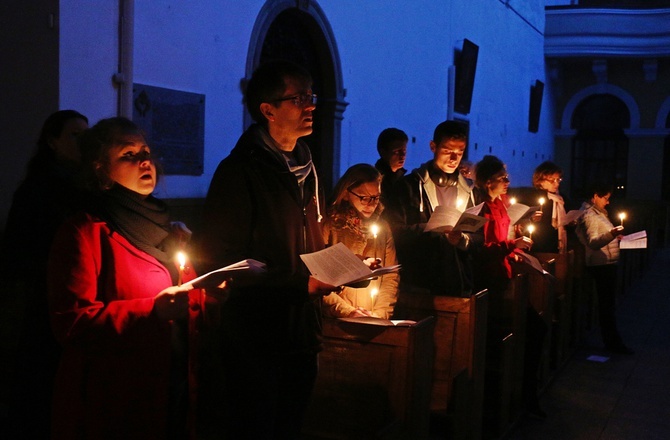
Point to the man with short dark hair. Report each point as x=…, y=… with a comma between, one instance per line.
x=264, y=202
x=437, y=261
x=392, y=149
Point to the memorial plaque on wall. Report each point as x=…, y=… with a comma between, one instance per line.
x=174, y=123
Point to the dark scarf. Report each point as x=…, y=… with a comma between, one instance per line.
x=144, y=222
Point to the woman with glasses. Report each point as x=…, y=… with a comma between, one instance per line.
x=551, y=235
x=353, y=219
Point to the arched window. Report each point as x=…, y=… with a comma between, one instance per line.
x=303, y=35
x=600, y=147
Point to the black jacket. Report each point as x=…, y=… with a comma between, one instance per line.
x=255, y=209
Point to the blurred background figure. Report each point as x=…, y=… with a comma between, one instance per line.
x=353, y=219
x=49, y=193
x=392, y=149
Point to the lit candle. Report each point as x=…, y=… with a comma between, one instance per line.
x=459, y=202
x=622, y=215
x=530, y=229
x=373, y=295
x=541, y=202
x=375, y=230
x=512, y=200
x=181, y=257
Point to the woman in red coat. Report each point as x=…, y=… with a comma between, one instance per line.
x=115, y=305
x=495, y=272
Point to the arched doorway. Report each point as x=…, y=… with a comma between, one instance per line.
x=299, y=32
x=600, y=147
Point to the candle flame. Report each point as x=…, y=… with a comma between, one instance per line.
x=622, y=215
x=531, y=229
x=512, y=200
x=541, y=201
x=373, y=293
x=459, y=202
x=375, y=229
x=181, y=257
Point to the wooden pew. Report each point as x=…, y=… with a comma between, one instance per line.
x=373, y=382
x=459, y=343
x=542, y=296
x=507, y=368
x=563, y=307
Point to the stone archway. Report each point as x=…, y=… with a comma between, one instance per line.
x=299, y=31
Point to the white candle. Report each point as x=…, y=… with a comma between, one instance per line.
x=375, y=230
x=181, y=257
x=530, y=229
x=622, y=215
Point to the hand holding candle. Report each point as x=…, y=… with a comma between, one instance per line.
x=181, y=258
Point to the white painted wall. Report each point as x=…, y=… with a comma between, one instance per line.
x=395, y=57
x=88, y=57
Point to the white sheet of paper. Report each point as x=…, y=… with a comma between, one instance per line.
x=519, y=211
x=572, y=216
x=636, y=240
x=446, y=218
x=337, y=265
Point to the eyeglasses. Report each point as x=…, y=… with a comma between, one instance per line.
x=300, y=100
x=366, y=200
x=504, y=178
x=556, y=180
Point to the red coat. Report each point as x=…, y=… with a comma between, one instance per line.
x=498, y=250
x=114, y=373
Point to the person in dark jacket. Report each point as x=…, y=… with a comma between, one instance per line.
x=264, y=202
x=392, y=149
x=551, y=233
x=436, y=261
x=48, y=194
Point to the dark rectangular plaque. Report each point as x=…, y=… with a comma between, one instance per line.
x=174, y=123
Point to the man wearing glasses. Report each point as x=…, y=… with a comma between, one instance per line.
x=437, y=261
x=264, y=203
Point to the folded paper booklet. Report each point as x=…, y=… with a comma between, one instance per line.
x=519, y=211
x=244, y=269
x=445, y=219
x=380, y=321
x=338, y=266
x=637, y=240
x=533, y=263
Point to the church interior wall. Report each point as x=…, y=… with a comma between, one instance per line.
x=395, y=65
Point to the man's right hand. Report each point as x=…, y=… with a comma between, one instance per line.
x=319, y=288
